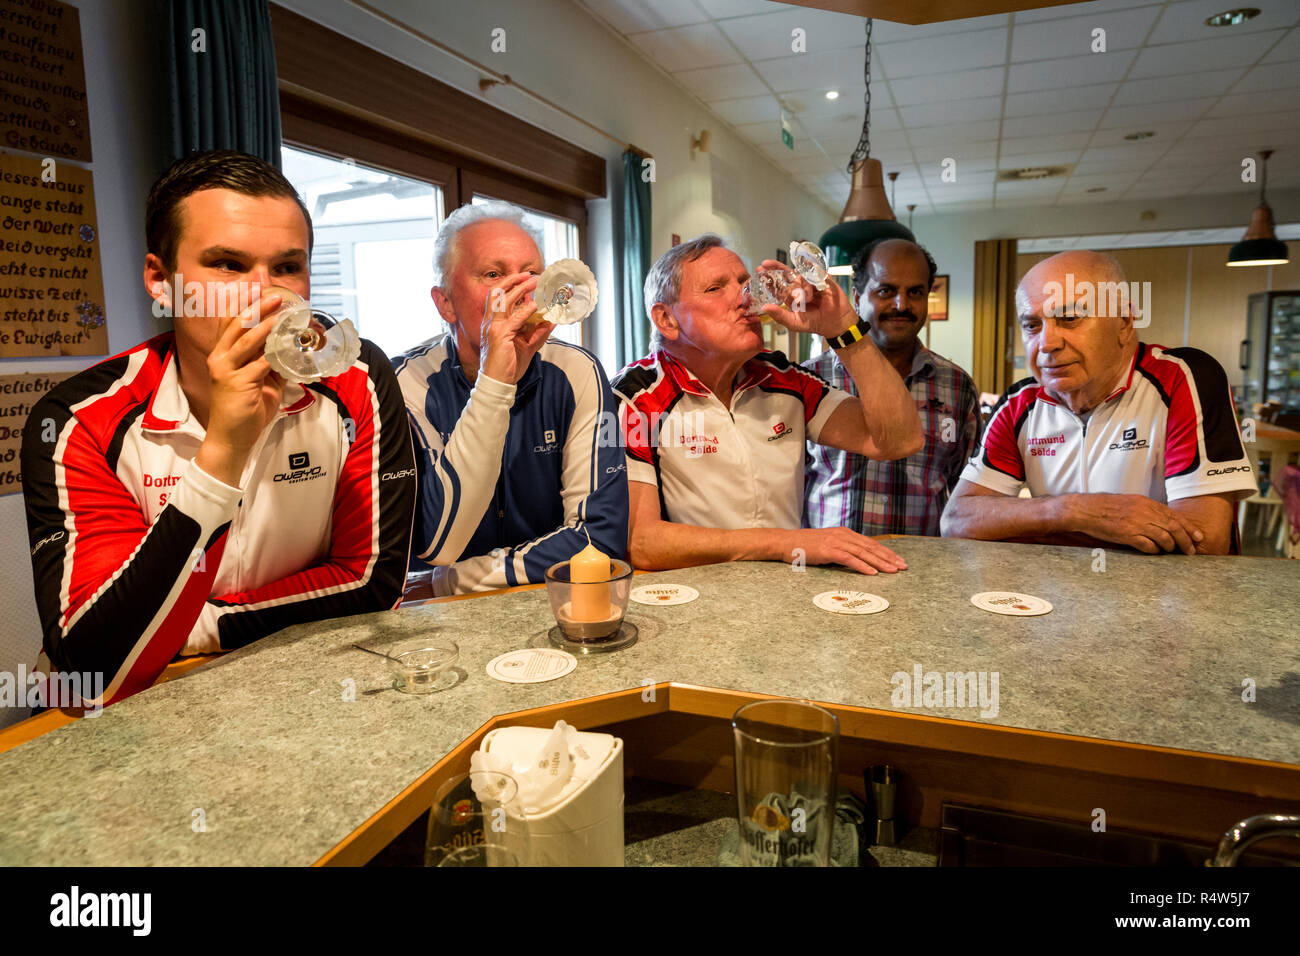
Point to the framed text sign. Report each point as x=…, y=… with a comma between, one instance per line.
x=18, y=393
x=42, y=80
x=51, y=288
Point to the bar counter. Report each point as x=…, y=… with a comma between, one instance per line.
x=1130, y=691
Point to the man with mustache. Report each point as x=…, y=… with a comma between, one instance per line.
x=1118, y=441
x=892, y=279
x=714, y=425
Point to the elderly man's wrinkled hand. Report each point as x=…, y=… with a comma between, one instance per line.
x=1135, y=521
x=826, y=312
x=510, y=336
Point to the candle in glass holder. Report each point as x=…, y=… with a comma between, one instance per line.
x=589, y=580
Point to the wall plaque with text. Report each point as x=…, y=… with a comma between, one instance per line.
x=42, y=81
x=18, y=393
x=51, y=288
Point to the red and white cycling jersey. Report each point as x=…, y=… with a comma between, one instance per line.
x=138, y=554
x=720, y=467
x=1167, y=432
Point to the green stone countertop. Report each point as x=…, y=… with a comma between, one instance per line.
x=1151, y=651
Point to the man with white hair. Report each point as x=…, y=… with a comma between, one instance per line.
x=506, y=423
x=715, y=425
x=1118, y=441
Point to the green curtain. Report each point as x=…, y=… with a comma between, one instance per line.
x=633, y=331
x=220, y=59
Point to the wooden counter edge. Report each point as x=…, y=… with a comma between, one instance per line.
x=1165, y=765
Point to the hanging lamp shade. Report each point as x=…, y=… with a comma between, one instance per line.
x=867, y=215
x=866, y=218
x=1260, y=246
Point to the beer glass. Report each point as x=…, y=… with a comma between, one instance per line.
x=309, y=344
x=785, y=782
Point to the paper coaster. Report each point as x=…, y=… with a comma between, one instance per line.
x=531, y=665
x=1013, y=603
x=664, y=595
x=850, y=602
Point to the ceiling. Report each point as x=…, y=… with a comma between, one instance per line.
x=1135, y=240
x=993, y=93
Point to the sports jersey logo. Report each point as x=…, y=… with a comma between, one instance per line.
x=781, y=430
x=404, y=473
x=548, y=436
x=44, y=541
x=1228, y=471
x=300, y=469
x=1129, y=441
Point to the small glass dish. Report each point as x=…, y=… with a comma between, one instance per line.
x=423, y=667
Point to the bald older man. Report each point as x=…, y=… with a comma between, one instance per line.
x=1118, y=441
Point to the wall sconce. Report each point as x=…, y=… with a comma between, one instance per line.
x=700, y=143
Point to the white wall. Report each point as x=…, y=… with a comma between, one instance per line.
x=125, y=113
x=951, y=239
x=558, y=50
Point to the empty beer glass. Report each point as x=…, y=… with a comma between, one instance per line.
x=309, y=344
x=785, y=782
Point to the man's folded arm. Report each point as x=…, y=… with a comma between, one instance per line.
x=116, y=595
x=370, y=535
x=458, y=479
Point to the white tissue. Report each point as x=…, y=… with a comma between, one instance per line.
x=540, y=779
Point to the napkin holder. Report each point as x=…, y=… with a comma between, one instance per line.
x=584, y=825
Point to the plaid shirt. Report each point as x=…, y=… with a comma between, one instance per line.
x=896, y=497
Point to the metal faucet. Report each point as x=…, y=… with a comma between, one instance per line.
x=1251, y=829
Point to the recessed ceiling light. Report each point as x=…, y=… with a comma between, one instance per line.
x=832, y=94
x=1095, y=189
x=1144, y=134
x=1231, y=18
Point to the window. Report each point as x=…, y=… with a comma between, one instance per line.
x=373, y=258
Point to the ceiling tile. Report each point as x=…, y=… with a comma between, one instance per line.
x=1056, y=101
x=1165, y=88
x=1155, y=113
x=1229, y=125
x=1165, y=134
x=954, y=134
x=932, y=87
x=1272, y=76
x=760, y=134
x=1243, y=104
x=686, y=48
x=1021, y=145
x=942, y=54
x=1069, y=71
x=945, y=114
x=1052, y=123
x=1288, y=49
x=1201, y=55
x=1186, y=21
x=722, y=82
x=718, y=9
x=1073, y=36
x=771, y=36
x=963, y=153
x=821, y=71
x=633, y=16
